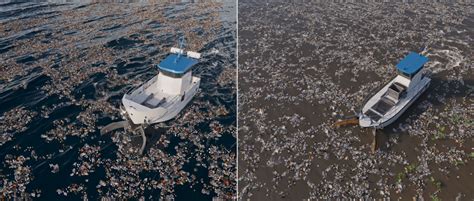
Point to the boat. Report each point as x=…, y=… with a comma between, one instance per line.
x=389, y=103
x=166, y=94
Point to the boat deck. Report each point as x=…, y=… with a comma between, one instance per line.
x=386, y=102
x=153, y=102
x=383, y=105
x=380, y=108
x=150, y=97
x=372, y=115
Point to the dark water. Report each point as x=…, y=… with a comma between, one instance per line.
x=303, y=65
x=65, y=67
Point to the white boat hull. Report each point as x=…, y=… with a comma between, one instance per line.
x=393, y=114
x=174, y=111
x=140, y=114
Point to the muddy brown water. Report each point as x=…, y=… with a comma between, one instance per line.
x=318, y=61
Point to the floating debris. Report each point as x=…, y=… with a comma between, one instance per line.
x=303, y=66
x=65, y=67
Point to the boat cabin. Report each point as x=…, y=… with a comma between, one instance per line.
x=396, y=91
x=397, y=95
x=175, y=73
x=411, y=67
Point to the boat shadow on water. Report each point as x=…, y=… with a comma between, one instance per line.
x=153, y=135
x=436, y=96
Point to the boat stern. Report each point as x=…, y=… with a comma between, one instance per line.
x=365, y=122
x=140, y=114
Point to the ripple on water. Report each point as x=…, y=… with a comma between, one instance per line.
x=70, y=45
x=123, y=43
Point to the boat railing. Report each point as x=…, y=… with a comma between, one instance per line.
x=130, y=90
x=146, y=85
x=171, y=101
x=135, y=105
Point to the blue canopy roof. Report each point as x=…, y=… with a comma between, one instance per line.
x=412, y=63
x=177, y=65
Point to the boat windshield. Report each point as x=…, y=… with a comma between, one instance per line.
x=406, y=75
x=171, y=74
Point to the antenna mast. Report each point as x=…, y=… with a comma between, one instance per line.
x=181, y=45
